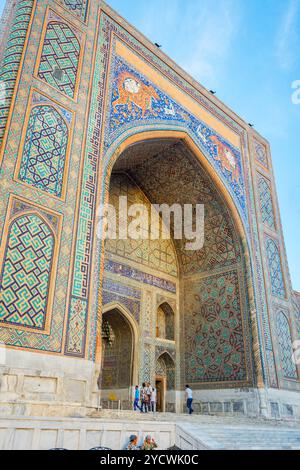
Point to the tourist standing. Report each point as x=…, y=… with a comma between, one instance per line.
x=149, y=392
x=137, y=396
x=144, y=399
x=189, y=398
x=153, y=400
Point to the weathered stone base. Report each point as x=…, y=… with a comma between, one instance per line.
x=267, y=403
x=112, y=430
x=79, y=434
x=33, y=384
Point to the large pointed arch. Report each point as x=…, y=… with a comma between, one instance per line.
x=141, y=134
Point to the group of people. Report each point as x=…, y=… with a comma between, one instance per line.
x=148, y=444
x=145, y=398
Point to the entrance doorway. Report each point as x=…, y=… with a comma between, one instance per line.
x=117, y=355
x=160, y=385
x=165, y=383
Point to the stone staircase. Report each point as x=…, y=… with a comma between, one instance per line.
x=244, y=437
x=215, y=432
x=112, y=429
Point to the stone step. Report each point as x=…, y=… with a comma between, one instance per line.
x=214, y=432
x=113, y=431
x=244, y=437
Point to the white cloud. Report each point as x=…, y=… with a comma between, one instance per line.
x=287, y=36
x=212, y=30
x=197, y=34
x=158, y=19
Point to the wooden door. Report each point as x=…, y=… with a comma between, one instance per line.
x=160, y=394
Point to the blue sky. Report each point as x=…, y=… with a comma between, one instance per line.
x=249, y=52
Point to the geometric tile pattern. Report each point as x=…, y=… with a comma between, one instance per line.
x=296, y=310
x=121, y=289
x=286, y=347
x=214, y=335
x=132, y=306
x=261, y=153
x=81, y=277
x=44, y=153
x=165, y=322
x=76, y=331
x=60, y=57
x=146, y=363
x=157, y=254
x=172, y=177
x=90, y=177
x=12, y=56
x=77, y=7
x=26, y=273
x=165, y=367
x=275, y=269
x=266, y=203
x=147, y=319
x=140, y=276
x=161, y=369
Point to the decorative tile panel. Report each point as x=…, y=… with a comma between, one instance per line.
x=12, y=56
x=266, y=202
x=261, y=153
x=44, y=155
x=60, y=57
x=275, y=268
x=286, y=347
x=26, y=272
x=135, y=100
x=214, y=330
x=160, y=254
x=79, y=8
x=187, y=183
x=296, y=306
x=140, y=276
x=76, y=333
x=129, y=297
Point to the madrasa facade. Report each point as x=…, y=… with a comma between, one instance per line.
x=91, y=112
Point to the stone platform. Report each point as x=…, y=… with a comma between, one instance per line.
x=112, y=429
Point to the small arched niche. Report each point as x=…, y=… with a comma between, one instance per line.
x=117, y=352
x=165, y=320
x=165, y=383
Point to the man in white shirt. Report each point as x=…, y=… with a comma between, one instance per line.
x=153, y=400
x=189, y=398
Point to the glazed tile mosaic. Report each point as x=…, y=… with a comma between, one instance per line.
x=261, y=153
x=285, y=345
x=140, y=276
x=78, y=7
x=60, y=55
x=44, y=153
x=26, y=272
x=135, y=99
x=266, y=203
x=12, y=56
x=214, y=330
